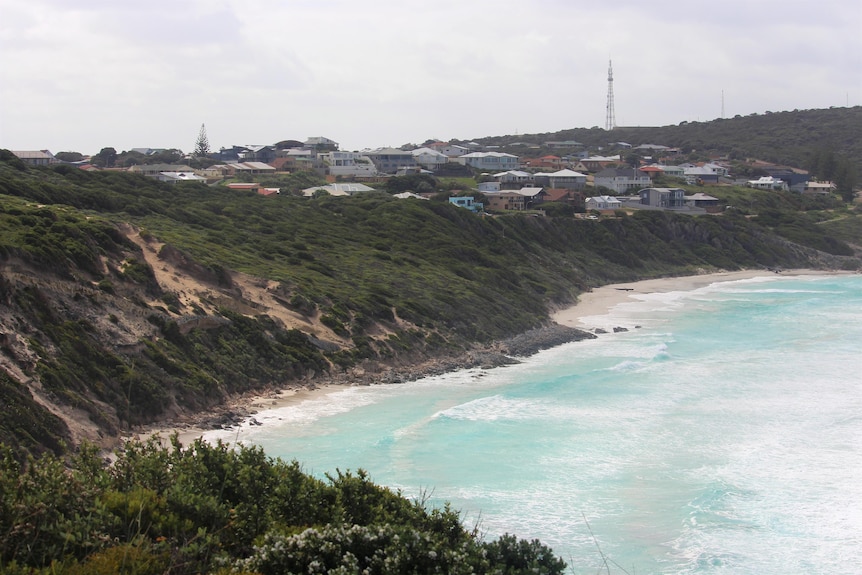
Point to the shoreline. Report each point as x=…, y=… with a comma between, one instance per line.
x=579, y=317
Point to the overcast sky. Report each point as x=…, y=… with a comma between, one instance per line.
x=85, y=74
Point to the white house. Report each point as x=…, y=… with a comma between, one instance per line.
x=514, y=177
x=338, y=189
x=621, y=180
x=175, y=177
x=767, y=183
x=490, y=161
x=430, y=159
x=603, y=203
x=348, y=164
x=568, y=179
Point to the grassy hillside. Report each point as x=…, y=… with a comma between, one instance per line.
x=125, y=301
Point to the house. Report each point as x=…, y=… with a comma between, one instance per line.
x=596, y=163
x=795, y=179
x=652, y=171
x=337, y=189
x=506, y=201
x=406, y=195
x=35, y=157
x=534, y=196
x=466, y=202
x=569, y=179
x=390, y=160
x=674, y=171
x=767, y=183
x=246, y=187
x=489, y=161
x=822, y=188
x=513, y=178
x=622, y=180
x=488, y=187
x=449, y=150
x=249, y=168
x=430, y=158
x=319, y=143
x=549, y=161
x=263, y=154
x=349, y=164
x=602, y=203
x=153, y=170
x=663, y=197
x=701, y=200
x=700, y=175
x=564, y=144
x=176, y=177
x=572, y=198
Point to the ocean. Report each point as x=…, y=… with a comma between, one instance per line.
x=721, y=434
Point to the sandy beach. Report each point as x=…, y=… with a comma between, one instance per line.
x=599, y=302
x=587, y=313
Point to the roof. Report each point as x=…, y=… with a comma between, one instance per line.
x=33, y=154
x=603, y=200
x=531, y=192
x=566, y=173
x=338, y=189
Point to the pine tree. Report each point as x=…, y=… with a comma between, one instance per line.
x=202, y=145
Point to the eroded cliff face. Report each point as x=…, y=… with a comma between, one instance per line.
x=75, y=345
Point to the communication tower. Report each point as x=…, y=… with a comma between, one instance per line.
x=610, y=118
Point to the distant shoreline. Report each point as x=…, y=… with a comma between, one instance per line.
x=583, y=315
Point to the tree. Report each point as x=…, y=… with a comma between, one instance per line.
x=69, y=156
x=202, y=144
x=106, y=158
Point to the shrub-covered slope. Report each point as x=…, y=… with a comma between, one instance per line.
x=124, y=301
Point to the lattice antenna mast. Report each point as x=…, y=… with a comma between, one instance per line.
x=610, y=118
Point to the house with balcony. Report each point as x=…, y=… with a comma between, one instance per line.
x=390, y=160
x=622, y=180
x=513, y=178
x=320, y=144
x=667, y=198
x=490, y=161
x=700, y=175
x=348, y=164
x=568, y=179
x=509, y=200
x=429, y=158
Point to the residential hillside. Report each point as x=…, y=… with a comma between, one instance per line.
x=782, y=137
x=126, y=301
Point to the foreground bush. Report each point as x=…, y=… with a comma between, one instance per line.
x=210, y=508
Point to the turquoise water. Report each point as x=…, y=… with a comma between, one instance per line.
x=722, y=436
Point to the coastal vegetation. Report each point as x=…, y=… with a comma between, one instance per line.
x=220, y=509
x=285, y=289
x=126, y=302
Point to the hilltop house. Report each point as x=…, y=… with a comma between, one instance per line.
x=767, y=183
x=337, y=189
x=390, y=160
x=348, y=164
x=35, y=157
x=663, y=197
x=568, y=179
x=489, y=161
x=622, y=180
x=513, y=178
x=429, y=158
x=602, y=203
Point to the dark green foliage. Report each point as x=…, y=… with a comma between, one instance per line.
x=25, y=425
x=193, y=510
